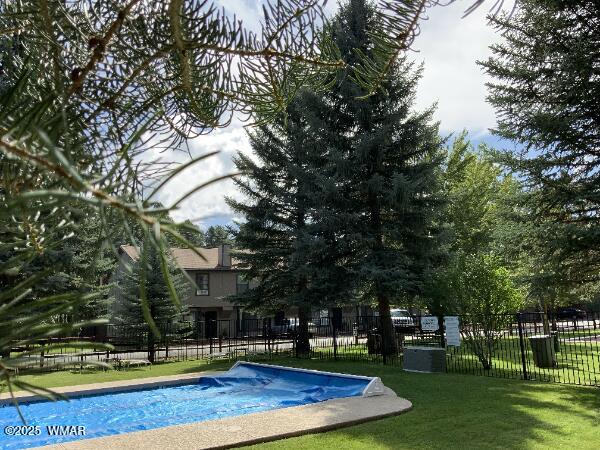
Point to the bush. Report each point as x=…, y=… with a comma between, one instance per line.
x=482, y=292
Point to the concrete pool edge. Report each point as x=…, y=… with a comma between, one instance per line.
x=109, y=386
x=252, y=428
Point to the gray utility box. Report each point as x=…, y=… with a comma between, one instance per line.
x=543, y=351
x=424, y=359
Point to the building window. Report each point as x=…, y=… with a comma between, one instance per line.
x=201, y=284
x=242, y=283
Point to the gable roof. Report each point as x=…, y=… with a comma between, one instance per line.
x=187, y=259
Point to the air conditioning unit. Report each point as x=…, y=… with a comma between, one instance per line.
x=201, y=291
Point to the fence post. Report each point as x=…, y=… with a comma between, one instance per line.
x=295, y=343
x=334, y=339
x=167, y=333
x=441, y=328
x=522, y=347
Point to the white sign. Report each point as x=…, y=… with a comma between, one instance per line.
x=429, y=323
x=452, y=331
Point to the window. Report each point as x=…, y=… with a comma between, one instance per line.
x=242, y=283
x=201, y=284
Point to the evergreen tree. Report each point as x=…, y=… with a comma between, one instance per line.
x=282, y=237
x=545, y=91
x=90, y=266
x=140, y=284
x=388, y=161
x=192, y=234
x=161, y=308
x=217, y=235
x=348, y=190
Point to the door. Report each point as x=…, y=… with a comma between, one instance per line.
x=210, y=318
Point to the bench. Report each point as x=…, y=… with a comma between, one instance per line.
x=119, y=363
x=231, y=354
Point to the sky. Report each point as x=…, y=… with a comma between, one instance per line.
x=449, y=47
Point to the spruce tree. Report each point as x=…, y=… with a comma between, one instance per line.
x=345, y=199
x=217, y=235
x=545, y=90
x=163, y=310
x=143, y=282
x=388, y=159
x=282, y=236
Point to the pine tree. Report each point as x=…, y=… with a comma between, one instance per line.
x=143, y=282
x=162, y=309
x=281, y=237
x=545, y=90
x=388, y=160
x=192, y=234
x=217, y=235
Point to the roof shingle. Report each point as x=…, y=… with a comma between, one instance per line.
x=187, y=259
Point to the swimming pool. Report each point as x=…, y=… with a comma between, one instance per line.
x=246, y=388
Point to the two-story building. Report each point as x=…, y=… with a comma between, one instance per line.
x=216, y=277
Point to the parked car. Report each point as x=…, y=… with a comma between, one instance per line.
x=402, y=320
x=571, y=313
x=288, y=328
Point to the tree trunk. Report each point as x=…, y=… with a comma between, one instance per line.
x=304, y=311
x=386, y=327
x=303, y=337
x=151, y=347
x=388, y=341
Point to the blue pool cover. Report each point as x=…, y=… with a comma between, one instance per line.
x=246, y=388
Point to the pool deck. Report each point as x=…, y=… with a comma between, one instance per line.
x=233, y=431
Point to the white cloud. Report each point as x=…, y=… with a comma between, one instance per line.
x=448, y=45
x=207, y=206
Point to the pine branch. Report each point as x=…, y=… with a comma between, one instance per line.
x=100, y=46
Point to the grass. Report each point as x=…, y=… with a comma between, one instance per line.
x=74, y=377
x=578, y=361
x=450, y=410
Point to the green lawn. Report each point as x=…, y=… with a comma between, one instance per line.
x=578, y=361
x=450, y=410
x=70, y=378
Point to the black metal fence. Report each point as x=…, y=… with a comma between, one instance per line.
x=508, y=346
x=531, y=346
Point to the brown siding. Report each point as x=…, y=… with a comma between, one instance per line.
x=220, y=284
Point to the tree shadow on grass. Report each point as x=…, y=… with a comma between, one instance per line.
x=466, y=412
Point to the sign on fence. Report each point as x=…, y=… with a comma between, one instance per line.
x=452, y=331
x=429, y=323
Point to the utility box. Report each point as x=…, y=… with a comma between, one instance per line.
x=424, y=359
x=543, y=351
